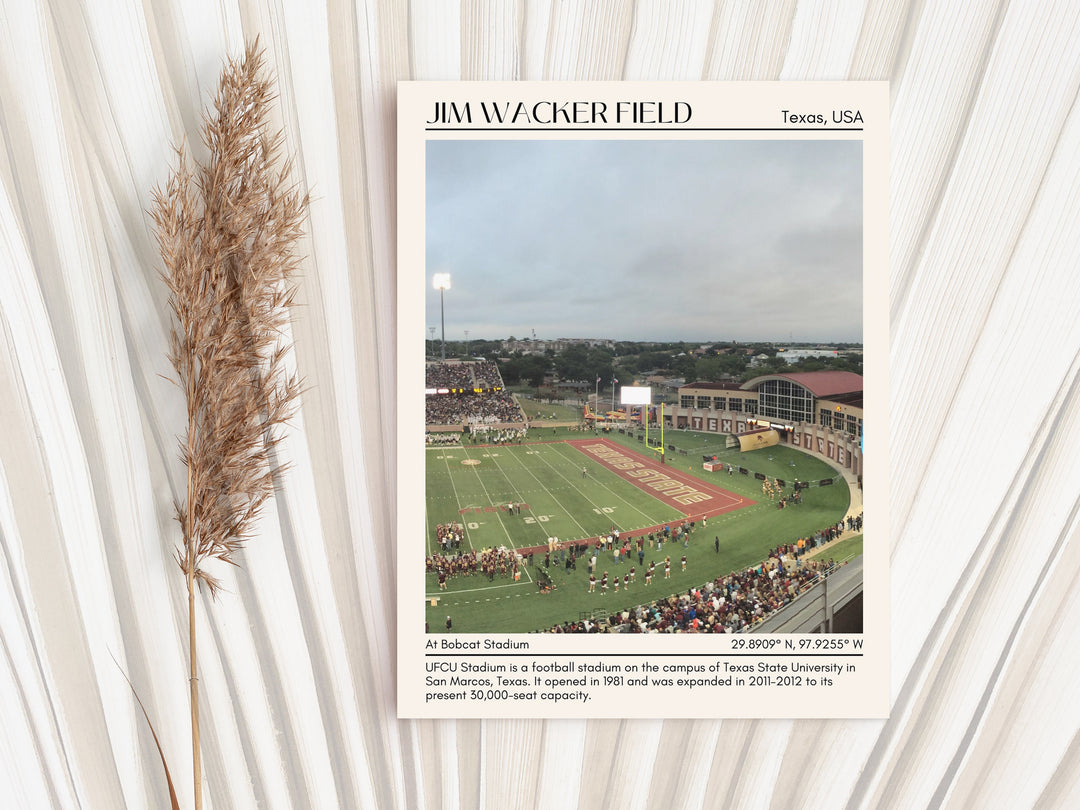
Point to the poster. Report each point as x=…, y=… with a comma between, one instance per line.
x=588, y=274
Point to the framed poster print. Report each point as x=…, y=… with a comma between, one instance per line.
x=641, y=326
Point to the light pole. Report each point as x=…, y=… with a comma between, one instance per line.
x=441, y=282
x=467, y=344
x=431, y=329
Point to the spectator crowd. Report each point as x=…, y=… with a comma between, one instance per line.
x=471, y=409
x=482, y=374
x=727, y=604
x=448, y=375
x=490, y=406
x=486, y=374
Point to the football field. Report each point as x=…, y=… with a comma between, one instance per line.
x=563, y=490
x=577, y=487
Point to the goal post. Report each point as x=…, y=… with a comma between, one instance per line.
x=641, y=396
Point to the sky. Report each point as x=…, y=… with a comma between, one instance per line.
x=646, y=240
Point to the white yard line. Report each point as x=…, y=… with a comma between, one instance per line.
x=428, y=539
x=649, y=520
x=457, y=500
x=690, y=480
x=476, y=469
x=517, y=493
x=524, y=567
x=526, y=467
x=476, y=590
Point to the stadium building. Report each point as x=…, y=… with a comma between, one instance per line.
x=820, y=412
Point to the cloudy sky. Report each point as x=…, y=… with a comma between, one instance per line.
x=647, y=240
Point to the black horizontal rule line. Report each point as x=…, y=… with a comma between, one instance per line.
x=643, y=129
x=643, y=655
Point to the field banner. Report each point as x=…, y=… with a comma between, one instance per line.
x=568, y=252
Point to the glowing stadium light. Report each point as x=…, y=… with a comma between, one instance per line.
x=440, y=281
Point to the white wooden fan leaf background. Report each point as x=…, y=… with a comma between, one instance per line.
x=297, y=657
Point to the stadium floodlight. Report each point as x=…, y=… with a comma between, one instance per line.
x=441, y=282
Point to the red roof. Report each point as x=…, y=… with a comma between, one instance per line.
x=818, y=383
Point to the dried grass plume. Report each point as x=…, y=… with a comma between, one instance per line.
x=227, y=232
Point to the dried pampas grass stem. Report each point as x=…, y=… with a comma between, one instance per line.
x=227, y=231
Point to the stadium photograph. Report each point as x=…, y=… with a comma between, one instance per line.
x=672, y=443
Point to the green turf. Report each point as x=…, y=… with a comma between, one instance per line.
x=548, y=477
x=545, y=476
x=843, y=550
x=536, y=410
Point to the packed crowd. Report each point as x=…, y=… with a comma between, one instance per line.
x=489, y=407
x=725, y=605
x=448, y=375
x=451, y=409
x=481, y=374
x=486, y=374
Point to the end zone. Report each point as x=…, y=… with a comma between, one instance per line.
x=684, y=493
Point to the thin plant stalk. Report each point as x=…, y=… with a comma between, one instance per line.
x=227, y=230
x=193, y=685
x=193, y=680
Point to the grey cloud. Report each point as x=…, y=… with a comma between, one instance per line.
x=647, y=240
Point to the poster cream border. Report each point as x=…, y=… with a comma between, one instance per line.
x=715, y=105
